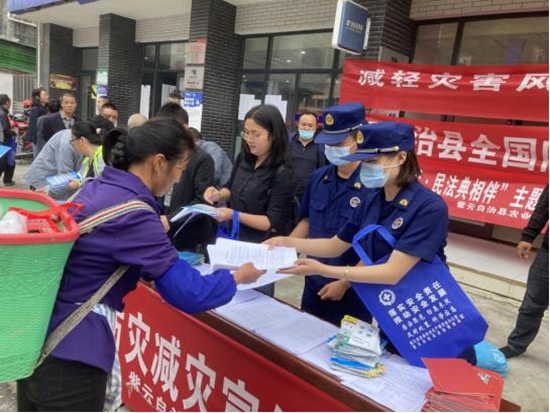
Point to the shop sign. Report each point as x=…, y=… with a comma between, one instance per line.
x=62, y=82
x=196, y=52
x=351, y=27
x=194, y=77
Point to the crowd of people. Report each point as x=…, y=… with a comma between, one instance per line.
x=312, y=190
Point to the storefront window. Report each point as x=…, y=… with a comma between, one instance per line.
x=505, y=41
x=255, y=53
x=149, y=56
x=434, y=43
x=162, y=72
x=303, y=51
x=172, y=56
x=313, y=92
x=282, y=88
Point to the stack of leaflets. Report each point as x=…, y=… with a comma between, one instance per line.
x=357, y=348
x=192, y=258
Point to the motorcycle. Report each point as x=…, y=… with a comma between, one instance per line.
x=20, y=124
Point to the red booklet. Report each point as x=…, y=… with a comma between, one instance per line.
x=459, y=386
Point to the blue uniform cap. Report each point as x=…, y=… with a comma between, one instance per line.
x=340, y=121
x=377, y=139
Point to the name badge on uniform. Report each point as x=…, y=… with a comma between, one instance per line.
x=354, y=202
x=397, y=223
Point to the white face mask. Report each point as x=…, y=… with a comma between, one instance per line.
x=374, y=176
x=335, y=153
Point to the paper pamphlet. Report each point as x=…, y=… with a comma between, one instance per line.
x=192, y=210
x=233, y=254
x=301, y=335
x=269, y=277
x=401, y=387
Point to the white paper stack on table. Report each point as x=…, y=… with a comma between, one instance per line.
x=356, y=348
x=230, y=254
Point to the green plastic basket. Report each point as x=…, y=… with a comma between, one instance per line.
x=31, y=266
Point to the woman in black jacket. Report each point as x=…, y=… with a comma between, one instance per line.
x=262, y=184
x=39, y=100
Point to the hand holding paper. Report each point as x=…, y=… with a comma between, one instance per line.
x=232, y=254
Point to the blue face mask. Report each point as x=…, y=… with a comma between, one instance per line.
x=306, y=134
x=373, y=176
x=334, y=153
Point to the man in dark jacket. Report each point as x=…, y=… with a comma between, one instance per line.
x=199, y=175
x=7, y=138
x=65, y=119
x=40, y=99
x=535, y=302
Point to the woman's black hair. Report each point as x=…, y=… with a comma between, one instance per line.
x=409, y=171
x=122, y=148
x=36, y=94
x=103, y=126
x=87, y=130
x=269, y=118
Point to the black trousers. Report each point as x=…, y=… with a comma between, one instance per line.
x=59, y=385
x=6, y=170
x=535, y=303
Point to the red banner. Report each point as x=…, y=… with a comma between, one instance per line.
x=487, y=173
x=502, y=92
x=173, y=362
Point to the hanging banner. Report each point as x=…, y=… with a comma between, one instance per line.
x=502, y=92
x=172, y=362
x=487, y=173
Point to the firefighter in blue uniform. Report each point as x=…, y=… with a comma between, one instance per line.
x=414, y=215
x=333, y=194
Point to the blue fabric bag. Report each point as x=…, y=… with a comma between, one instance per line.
x=12, y=143
x=491, y=358
x=427, y=314
x=233, y=231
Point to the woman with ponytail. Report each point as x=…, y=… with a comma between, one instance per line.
x=143, y=164
x=87, y=140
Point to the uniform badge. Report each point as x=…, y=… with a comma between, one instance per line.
x=357, y=185
x=354, y=202
x=329, y=120
x=404, y=202
x=360, y=137
x=397, y=223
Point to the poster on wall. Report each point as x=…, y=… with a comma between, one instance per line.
x=145, y=98
x=192, y=103
x=62, y=82
x=196, y=52
x=102, y=80
x=247, y=102
x=278, y=102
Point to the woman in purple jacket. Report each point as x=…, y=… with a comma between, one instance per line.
x=145, y=163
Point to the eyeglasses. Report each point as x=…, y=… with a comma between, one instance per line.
x=249, y=137
x=74, y=139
